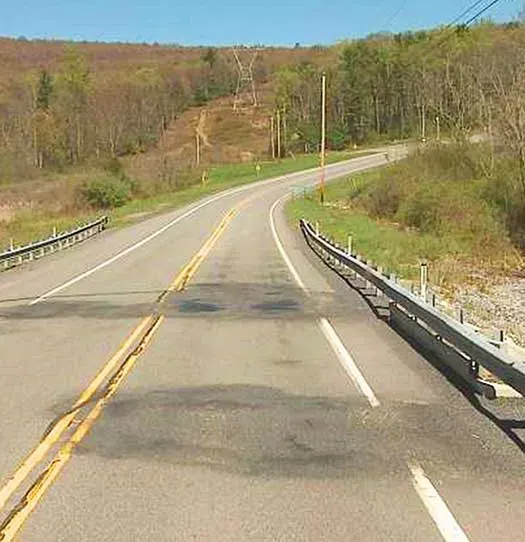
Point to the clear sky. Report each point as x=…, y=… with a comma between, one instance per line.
x=205, y=22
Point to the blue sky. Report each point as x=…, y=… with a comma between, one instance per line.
x=204, y=22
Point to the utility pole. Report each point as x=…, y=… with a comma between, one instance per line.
x=284, y=128
x=279, y=134
x=272, y=137
x=423, y=124
x=323, y=137
x=197, y=149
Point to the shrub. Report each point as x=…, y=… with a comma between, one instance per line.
x=452, y=208
x=114, y=166
x=383, y=197
x=106, y=193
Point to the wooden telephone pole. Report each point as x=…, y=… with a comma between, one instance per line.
x=272, y=137
x=323, y=138
x=197, y=148
x=279, y=133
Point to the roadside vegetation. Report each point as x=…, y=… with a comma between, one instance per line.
x=440, y=205
x=124, y=199
x=90, y=128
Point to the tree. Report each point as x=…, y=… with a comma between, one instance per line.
x=44, y=91
x=74, y=87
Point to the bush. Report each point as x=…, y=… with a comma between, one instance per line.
x=383, y=197
x=107, y=193
x=453, y=209
x=114, y=166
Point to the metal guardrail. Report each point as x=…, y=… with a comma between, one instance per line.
x=473, y=348
x=37, y=249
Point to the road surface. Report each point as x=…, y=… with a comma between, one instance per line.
x=244, y=393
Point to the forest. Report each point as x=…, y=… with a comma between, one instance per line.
x=70, y=104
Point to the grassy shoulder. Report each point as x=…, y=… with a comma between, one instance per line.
x=398, y=217
x=30, y=225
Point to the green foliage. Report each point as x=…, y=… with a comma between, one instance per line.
x=210, y=57
x=450, y=208
x=44, y=91
x=114, y=166
x=383, y=198
x=400, y=214
x=107, y=193
x=75, y=74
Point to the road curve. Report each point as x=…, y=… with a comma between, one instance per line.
x=246, y=393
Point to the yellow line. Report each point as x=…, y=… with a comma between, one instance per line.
x=65, y=421
x=189, y=270
x=21, y=512
x=17, y=518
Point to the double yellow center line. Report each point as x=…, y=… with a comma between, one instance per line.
x=142, y=336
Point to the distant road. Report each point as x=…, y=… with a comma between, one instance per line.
x=244, y=393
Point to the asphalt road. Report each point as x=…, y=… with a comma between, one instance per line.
x=269, y=405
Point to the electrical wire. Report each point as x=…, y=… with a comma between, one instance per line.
x=465, y=12
x=396, y=14
x=481, y=12
x=466, y=24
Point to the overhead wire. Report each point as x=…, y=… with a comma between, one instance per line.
x=481, y=12
x=395, y=14
x=468, y=22
x=465, y=12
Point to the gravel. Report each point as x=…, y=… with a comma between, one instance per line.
x=500, y=307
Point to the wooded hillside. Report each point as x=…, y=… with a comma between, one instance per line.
x=67, y=104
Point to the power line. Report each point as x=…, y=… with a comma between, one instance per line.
x=465, y=12
x=396, y=14
x=481, y=12
x=468, y=10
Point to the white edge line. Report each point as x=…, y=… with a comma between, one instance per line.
x=147, y=239
x=436, y=506
x=155, y=234
x=285, y=257
x=347, y=362
x=333, y=339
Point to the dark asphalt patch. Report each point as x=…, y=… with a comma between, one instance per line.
x=263, y=431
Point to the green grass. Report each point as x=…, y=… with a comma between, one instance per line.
x=222, y=178
x=28, y=226
x=397, y=249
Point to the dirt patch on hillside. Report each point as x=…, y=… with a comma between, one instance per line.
x=225, y=136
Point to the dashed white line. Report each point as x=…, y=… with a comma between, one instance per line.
x=436, y=506
x=347, y=362
x=326, y=328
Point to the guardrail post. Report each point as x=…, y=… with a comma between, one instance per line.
x=381, y=272
x=424, y=280
x=317, y=229
x=468, y=351
x=11, y=245
x=349, y=249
